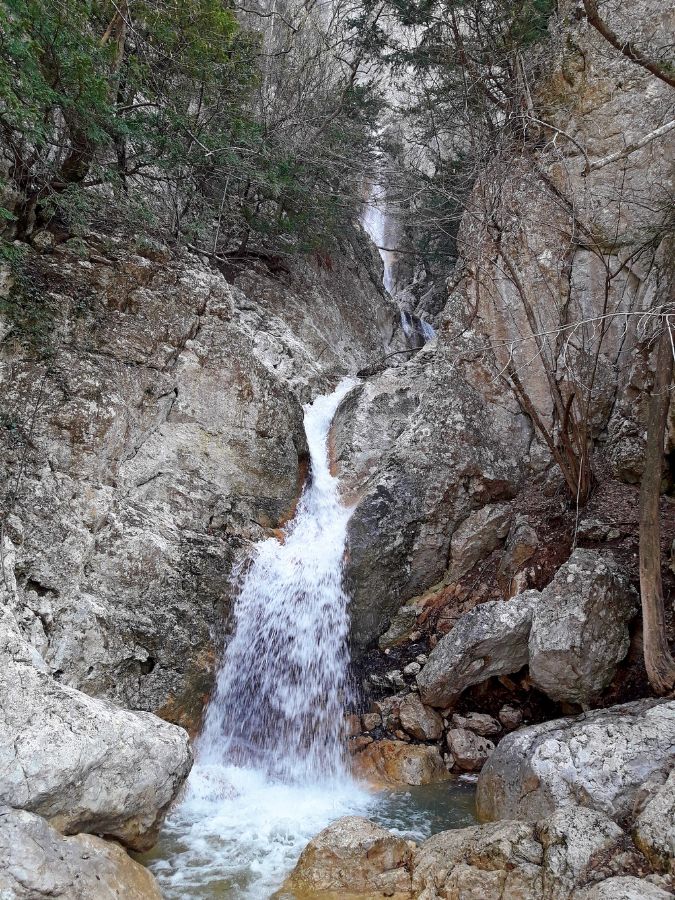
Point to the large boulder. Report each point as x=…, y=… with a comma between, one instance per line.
x=654, y=831
x=352, y=857
x=397, y=762
x=515, y=860
x=598, y=760
x=37, y=863
x=491, y=639
x=580, y=628
x=83, y=764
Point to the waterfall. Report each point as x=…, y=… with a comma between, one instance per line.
x=374, y=223
x=270, y=768
x=280, y=692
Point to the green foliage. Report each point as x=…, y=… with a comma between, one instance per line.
x=152, y=110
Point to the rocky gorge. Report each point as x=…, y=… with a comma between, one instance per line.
x=151, y=435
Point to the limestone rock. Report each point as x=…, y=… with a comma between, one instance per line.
x=521, y=545
x=654, y=831
x=491, y=639
x=83, y=764
x=352, y=857
x=580, y=627
x=419, y=720
x=510, y=716
x=419, y=448
x=37, y=862
x=170, y=437
x=488, y=862
x=477, y=536
x=480, y=723
x=623, y=887
x=598, y=760
x=395, y=762
x=469, y=751
x=401, y=626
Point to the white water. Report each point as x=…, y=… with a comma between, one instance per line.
x=374, y=222
x=271, y=769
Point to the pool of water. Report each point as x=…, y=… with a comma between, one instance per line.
x=236, y=835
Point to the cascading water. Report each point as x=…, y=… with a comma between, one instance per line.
x=271, y=769
x=281, y=690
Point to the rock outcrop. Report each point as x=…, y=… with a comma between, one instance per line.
x=37, y=863
x=580, y=628
x=654, y=830
x=491, y=639
x=150, y=428
x=85, y=765
x=598, y=760
x=557, y=859
x=352, y=857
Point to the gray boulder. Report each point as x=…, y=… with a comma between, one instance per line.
x=654, y=831
x=598, y=760
x=419, y=720
x=624, y=887
x=469, y=751
x=491, y=639
x=37, y=863
x=83, y=764
x=580, y=628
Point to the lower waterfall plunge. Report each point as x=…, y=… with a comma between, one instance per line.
x=271, y=768
x=280, y=693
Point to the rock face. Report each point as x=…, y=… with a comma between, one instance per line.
x=504, y=861
x=352, y=857
x=37, y=862
x=491, y=639
x=625, y=887
x=83, y=764
x=396, y=762
x=598, y=760
x=478, y=536
x=580, y=628
x=165, y=435
x=420, y=448
x=654, y=831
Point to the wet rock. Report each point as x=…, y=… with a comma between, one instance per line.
x=395, y=762
x=412, y=668
x=511, y=717
x=401, y=627
x=352, y=725
x=469, y=751
x=654, y=830
x=480, y=723
x=38, y=862
x=580, y=628
x=491, y=639
x=598, y=760
x=478, y=535
x=371, y=721
x=351, y=858
x=83, y=764
x=419, y=720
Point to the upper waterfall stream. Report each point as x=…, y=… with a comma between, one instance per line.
x=271, y=767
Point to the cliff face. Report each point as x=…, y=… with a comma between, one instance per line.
x=159, y=434
x=160, y=431
x=565, y=258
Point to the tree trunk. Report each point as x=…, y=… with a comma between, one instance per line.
x=658, y=659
